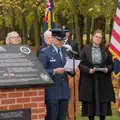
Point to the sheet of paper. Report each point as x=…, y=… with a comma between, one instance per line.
x=99, y=69
x=69, y=65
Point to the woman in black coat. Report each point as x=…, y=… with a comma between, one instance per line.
x=95, y=87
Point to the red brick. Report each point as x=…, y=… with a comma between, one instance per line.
x=34, y=117
x=42, y=104
x=41, y=89
x=3, y=95
x=38, y=110
x=17, y=106
x=37, y=88
x=37, y=99
x=3, y=107
x=30, y=105
x=32, y=93
x=8, y=101
x=23, y=100
x=41, y=93
x=41, y=116
x=8, y=90
x=23, y=89
x=14, y=95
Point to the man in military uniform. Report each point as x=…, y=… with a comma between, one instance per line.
x=53, y=58
x=71, y=42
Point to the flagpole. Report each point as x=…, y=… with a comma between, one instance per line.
x=51, y=12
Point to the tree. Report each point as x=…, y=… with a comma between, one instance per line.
x=36, y=29
x=23, y=22
x=77, y=28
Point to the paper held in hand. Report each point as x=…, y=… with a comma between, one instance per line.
x=69, y=65
x=99, y=69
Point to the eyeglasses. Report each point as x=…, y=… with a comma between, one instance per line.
x=14, y=37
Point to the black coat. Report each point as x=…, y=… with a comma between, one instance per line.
x=87, y=80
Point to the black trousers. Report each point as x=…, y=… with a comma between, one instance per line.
x=56, y=109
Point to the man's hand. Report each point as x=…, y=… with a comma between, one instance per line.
x=59, y=70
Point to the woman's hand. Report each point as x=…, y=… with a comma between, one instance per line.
x=105, y=70
x=91, y=71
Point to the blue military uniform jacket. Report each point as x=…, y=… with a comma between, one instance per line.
x=37, y=54
x=50, y=60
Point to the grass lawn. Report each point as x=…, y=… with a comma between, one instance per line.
x=97, y=118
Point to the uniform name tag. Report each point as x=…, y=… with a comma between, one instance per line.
x=53, y=60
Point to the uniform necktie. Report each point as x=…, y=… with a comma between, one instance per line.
x=60, y=55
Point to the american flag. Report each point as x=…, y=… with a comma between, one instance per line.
x=114, y=48
x=49, y=21
x=115, y=39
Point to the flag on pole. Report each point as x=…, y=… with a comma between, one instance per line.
x=49, y=21
x=114, y=48
x=115, y=39
x=116, y=72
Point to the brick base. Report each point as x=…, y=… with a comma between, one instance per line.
x=19, y=98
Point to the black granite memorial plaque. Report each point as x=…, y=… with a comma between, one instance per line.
x=22, y=114
x=19, y=67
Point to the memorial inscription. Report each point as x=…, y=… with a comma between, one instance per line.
x=20, y=67
x=22, y=114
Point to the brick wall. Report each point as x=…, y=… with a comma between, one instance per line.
x=19, y=98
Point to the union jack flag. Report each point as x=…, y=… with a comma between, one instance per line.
x=49, y=21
